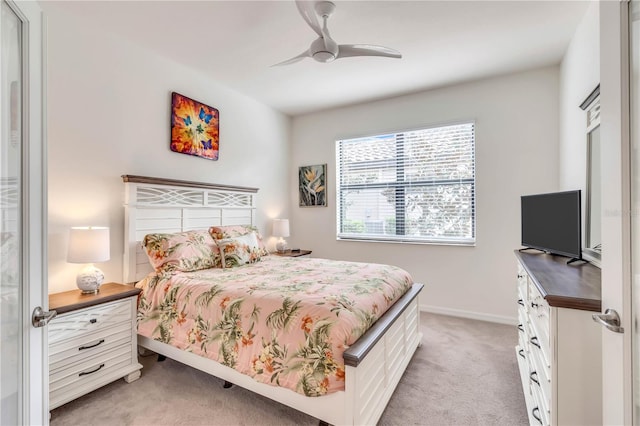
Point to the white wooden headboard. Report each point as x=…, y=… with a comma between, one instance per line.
x=169, y=205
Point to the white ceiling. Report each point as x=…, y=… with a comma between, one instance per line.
x=442, y=43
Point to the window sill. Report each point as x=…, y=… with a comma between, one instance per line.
x=408, y=241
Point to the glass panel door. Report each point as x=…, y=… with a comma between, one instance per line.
x=11, y=296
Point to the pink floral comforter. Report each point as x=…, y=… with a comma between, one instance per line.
x=282, y=321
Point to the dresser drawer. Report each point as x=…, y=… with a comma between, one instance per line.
x=539, y=320
x=540, y=375
x=540, y=413
x=86, y=373
x=523, y=279
x=88, y=320
x=74, y=350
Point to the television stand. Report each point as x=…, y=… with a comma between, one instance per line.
x=576, y=259
x=530, y=248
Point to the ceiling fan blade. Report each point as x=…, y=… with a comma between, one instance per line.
x=309, y=15
x=347, y=50
x=295, y=59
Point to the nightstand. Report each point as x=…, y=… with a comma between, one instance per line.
x=290, y=253
x=92, y=341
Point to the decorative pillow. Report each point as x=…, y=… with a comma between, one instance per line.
x=182, y=251
x=239, y=250
x=233, y=231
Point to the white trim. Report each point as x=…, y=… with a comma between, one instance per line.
x=499, y=319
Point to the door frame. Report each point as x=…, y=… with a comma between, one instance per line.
x=616, y=209
x=35, y=369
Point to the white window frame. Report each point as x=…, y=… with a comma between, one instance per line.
x=392, y=238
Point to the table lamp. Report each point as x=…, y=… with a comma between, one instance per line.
x=280, y=230
x=88, y=245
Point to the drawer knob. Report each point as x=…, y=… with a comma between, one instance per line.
x=93, y=320
x=520, y=302
x=520, y=327
x=521, y=353
x=81, y=348
x=85, y=373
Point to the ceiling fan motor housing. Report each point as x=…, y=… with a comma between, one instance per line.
x=324, y=50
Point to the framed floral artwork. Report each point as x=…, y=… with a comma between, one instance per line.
x=195, y=127
x=313, y=185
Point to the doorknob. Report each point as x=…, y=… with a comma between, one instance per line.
x=40, y=318
x=609, y=319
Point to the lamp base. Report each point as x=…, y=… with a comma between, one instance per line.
x=281, y=245
x=89, y=279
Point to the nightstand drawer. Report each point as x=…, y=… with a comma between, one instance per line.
x=82, y=377
x=89, y=320
x=90, y=345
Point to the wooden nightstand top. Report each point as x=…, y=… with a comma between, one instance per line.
x=73, y=300
x=290, y=253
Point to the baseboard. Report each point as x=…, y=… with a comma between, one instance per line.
x=469, y=314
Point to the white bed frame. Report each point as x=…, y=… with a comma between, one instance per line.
x=373, y=365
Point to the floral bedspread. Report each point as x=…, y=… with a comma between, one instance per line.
x=282, y=321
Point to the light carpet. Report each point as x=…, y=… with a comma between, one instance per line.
x=465, y=373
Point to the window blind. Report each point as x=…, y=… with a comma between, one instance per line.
x=412, y=186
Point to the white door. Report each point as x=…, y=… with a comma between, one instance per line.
x=634, y=49
x=23, y=367
x=620, y=121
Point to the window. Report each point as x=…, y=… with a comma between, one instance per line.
x=413, y=186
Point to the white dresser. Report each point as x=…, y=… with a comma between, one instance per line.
x=559, y=345
x=92, y=341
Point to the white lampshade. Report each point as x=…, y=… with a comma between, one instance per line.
x=281, y=227
x=89, y=245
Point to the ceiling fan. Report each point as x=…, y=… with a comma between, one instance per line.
x=324, y=48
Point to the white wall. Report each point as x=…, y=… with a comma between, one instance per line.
x=109, y=115
x=579, y=75
x=516, y=120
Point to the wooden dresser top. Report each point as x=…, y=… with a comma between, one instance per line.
x=73, y=300
x=575, y=286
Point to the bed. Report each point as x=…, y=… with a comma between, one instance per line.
x=373, y=364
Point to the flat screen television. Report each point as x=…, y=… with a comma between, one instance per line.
x=552, y=223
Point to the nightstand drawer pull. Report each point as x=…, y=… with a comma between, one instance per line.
x=85, y=373
x=93, y=320
x=81, y=348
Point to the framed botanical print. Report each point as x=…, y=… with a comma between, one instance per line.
x=195, y=127
x=312, y=185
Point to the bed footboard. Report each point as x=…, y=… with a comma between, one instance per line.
x=376, y=362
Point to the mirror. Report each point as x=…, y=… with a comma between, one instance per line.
x=593, y=240
x=593, y=201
